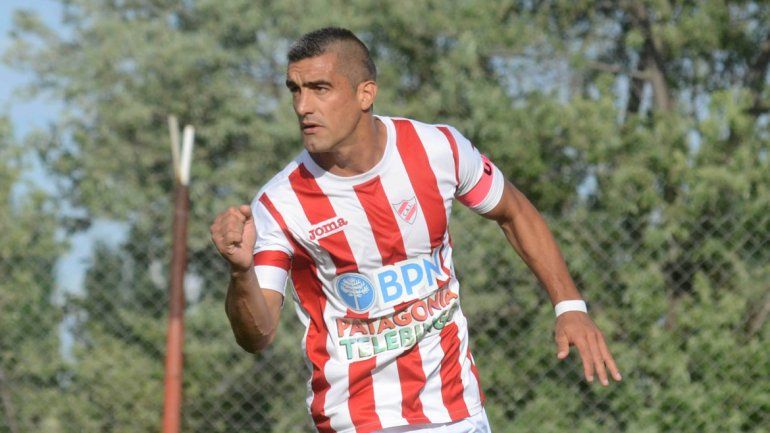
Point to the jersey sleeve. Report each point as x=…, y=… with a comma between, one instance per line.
x=272, y=251
x=479, y=182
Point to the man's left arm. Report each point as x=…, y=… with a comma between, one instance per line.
x=529, y=235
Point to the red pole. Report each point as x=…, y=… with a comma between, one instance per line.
x=175, y=339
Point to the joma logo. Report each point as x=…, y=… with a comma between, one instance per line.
x=326, y=228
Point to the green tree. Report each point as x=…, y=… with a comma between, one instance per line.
x=31, y=367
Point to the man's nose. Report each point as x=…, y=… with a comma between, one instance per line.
x=303, y=103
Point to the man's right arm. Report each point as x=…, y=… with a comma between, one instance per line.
x=253, y=312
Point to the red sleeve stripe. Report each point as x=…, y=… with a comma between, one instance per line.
x=478, y=193
x=278, y=259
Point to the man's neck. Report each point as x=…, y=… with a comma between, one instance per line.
x=360, y=154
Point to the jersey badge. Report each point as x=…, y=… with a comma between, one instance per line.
x=407, y=209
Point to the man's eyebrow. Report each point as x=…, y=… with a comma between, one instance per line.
x=317, y=83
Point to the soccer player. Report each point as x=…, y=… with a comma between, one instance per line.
x=360, y=221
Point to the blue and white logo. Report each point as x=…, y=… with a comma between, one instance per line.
x=355, y=290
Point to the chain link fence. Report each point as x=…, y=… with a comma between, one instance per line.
x=683, y=302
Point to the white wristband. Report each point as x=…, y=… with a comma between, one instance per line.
x=564, y=306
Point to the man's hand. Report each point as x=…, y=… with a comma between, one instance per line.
x=576, y=328
x=234, y=235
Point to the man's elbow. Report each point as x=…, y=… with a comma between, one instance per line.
x=252, y=347
x=255, y=345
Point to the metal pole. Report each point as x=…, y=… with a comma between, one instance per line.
x=172, y=404
x=175, y=339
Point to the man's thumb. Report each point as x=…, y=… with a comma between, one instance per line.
x=245, y=210
x=562, y=346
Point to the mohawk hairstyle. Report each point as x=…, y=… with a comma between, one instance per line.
x=320, y=41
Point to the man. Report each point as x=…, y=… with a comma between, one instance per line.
x=360, y=219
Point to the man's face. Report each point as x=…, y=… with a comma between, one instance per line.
x=326, y=103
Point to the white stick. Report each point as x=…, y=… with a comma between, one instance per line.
x=173, y=129
x=187, y=146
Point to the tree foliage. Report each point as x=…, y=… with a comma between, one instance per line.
x=30, y=360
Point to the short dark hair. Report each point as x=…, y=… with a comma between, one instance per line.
x=320, y=41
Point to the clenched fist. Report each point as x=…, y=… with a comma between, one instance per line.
x=234, y=235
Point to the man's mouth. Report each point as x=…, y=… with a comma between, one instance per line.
x=309, y=127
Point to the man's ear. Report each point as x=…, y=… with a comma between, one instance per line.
x=367, y=93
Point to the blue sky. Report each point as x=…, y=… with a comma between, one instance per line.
x=25, y=114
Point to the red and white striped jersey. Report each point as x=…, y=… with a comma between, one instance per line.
x=370, y=259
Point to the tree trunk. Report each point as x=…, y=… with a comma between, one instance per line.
x=756, y=78
x=652, y=59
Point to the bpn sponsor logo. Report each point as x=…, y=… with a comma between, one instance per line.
x=393, y=284
x=326, y=228
x=410, y=278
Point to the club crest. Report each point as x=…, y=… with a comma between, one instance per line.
x=407, y=209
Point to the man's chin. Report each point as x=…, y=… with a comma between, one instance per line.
x=315, y=147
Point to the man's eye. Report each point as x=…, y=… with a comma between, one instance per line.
x=322, y=90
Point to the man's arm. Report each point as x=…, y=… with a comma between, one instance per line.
x=253, y=312
x=529, y=235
